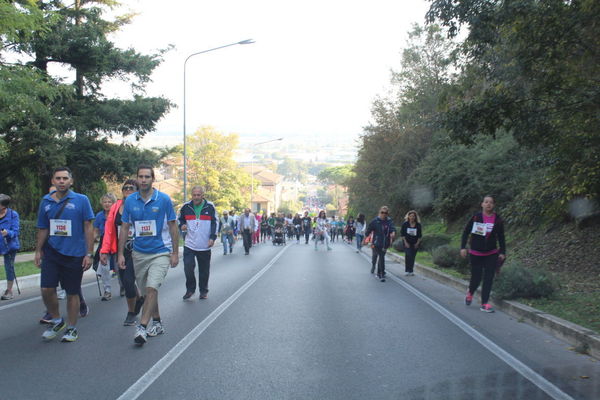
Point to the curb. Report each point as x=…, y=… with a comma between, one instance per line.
x=583, y=339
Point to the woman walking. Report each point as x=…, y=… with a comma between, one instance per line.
x=103, y=270
x=9, y=244
x=485, y=231
x=322, y=229
x=112, y=229
x=411, y=234
x=384, y=233
x=360, y=231
x=350, y=229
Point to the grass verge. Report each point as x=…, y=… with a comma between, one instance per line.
x=21, y=269
x=580, y=308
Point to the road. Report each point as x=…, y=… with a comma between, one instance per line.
x=293, y=323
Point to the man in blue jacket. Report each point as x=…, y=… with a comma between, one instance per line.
x=384, y=233
x=198, y=219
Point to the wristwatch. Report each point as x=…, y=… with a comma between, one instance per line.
x=90, y=255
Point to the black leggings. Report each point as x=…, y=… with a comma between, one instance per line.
x=483, y=266
x=127, y=276
x=410, y=253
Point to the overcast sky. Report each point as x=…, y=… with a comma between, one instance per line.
x=315, y=68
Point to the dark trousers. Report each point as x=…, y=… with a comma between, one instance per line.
x=127, y=275
x=189, y=264
x=483, y=266
x=247, y=237
x=410, y=253
x=307, y=234
x=378, y=258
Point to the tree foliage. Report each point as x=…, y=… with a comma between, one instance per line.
x=49, y=120
x=211, y=164
x=532, y=70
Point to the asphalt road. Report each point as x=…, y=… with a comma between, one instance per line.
x=293, y=323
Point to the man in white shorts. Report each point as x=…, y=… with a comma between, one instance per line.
x=153, y=218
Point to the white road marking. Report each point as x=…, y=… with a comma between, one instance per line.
x=139, y=387
x=529, y=374
x=32, y=299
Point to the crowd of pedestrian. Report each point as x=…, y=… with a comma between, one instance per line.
x=138, y=238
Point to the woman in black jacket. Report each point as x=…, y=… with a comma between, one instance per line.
x=411, y=234
x=486, y=231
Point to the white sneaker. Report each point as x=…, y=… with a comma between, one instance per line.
x=61, y=294
x=141, y=336
x=156, y=329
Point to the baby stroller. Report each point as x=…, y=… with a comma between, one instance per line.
x=278, y=236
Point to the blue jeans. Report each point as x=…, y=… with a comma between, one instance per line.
x=359, y=240
x=227, y=240
x=9, y=265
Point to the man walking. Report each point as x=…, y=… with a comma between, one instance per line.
x=64, y=250
x=247, y=227
x=384, y=233
x=198, y=219
x=226, y=228
x=153, y=218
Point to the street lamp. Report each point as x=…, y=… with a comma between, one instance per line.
x=252, y=167
x=247, y=41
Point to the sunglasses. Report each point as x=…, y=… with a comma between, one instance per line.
x=383, y=212
x=129, y=188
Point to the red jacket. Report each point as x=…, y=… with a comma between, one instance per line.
x=110, y=242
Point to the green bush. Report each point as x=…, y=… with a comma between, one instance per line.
x=447, y=256
x=434, y=240
x=516, y=281
x=27, y=235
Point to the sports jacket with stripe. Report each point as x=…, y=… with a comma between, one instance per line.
x=200, y=229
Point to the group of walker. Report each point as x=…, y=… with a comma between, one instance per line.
x=142, y=231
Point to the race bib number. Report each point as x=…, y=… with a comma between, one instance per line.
x=479, y=228
x=411, y=231
x=145, y=228
x=60, y=227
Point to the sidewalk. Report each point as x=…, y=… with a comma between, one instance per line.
x=571, y=333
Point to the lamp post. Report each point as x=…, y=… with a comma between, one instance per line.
x=247, y=41
x=252, y=167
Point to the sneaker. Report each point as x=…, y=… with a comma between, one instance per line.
x=122, y=292
x=61, y=294
x=70, y=336
x=141, y=336
x=382, y=279
x=46, y=319
x=138, y=305
x=203, y=296
x=187, y=295
x=54, y=330
x=107, y=296
x=486, y=308
x=129, y=319
x=156, y=329
x=469, y=298
x=84, y=310
x=7, y=296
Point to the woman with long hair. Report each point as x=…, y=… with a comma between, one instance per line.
x=322, y=229
x=411, y=234
x=360, y=231
x=485, y=231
